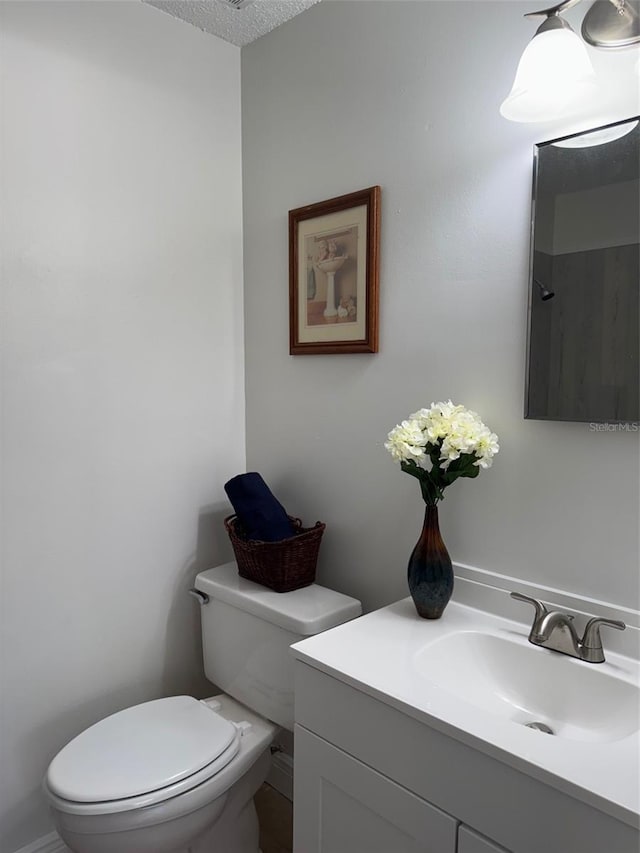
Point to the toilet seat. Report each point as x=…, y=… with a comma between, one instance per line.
x=142, y=756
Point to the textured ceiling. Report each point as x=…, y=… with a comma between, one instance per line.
x=239, y=26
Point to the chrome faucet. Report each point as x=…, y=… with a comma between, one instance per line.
x=554, y=630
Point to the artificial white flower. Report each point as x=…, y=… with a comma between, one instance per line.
x=439, y=444
x=406, y=442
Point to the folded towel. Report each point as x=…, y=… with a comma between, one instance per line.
x=259, y=512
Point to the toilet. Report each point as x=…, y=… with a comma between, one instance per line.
x=178, y=775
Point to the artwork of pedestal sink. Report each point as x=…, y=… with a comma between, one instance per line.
x=333, y=275
x=330, y=266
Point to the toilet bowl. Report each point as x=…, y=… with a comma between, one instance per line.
x=178, y=774
x=141, y=780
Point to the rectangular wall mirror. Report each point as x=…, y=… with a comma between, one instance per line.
x=583, y=342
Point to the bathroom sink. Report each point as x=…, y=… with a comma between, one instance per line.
x=473, y=677
x=509, y=678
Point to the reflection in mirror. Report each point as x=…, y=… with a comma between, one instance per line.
x=582, y=359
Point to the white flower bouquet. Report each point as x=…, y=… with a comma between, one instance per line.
x=439, y=444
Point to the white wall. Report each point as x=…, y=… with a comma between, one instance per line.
x=122, y=383
x=406, y=95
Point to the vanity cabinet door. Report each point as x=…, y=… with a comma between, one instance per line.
x=470, y=842
x=343, y=806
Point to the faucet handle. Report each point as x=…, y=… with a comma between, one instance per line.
x=540, y=609
x=592, y=641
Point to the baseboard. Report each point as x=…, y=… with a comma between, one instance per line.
x=51, y=843
x=281, y=774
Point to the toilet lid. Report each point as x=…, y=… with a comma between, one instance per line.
x=142, y=749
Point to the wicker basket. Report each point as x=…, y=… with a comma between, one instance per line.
x=282, y=566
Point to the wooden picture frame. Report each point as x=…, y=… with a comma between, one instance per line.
x=334, y=249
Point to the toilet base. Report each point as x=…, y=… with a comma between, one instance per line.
x=167, y=837
x=237, y=830
x=239, y=836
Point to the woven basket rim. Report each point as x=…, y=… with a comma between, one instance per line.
x=230, y=523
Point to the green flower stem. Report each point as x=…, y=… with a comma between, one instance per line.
x=434, y=482
x=432, y=490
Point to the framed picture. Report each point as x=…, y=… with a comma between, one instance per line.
x=334, y=249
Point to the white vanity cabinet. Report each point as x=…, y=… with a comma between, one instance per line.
x=343, y=806
x=370, y=777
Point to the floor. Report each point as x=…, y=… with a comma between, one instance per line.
x=275, y=813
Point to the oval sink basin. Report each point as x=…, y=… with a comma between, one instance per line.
x=512, y=679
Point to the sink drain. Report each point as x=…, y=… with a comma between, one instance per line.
x=540, y=727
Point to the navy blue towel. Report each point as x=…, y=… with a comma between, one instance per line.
x=259, y=512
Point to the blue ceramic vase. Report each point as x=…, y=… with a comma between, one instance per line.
x=430, y=573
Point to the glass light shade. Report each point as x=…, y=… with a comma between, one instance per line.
x=596, y=137
x=554, y=79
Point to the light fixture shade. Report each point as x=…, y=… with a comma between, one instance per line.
x=589, y=139
x=554, y=79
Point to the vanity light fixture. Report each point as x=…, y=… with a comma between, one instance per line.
x=555, y=78
x=601, y=136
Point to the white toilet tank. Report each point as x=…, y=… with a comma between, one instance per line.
x=247, y=630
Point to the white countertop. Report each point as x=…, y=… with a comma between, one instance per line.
x=380, y=653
